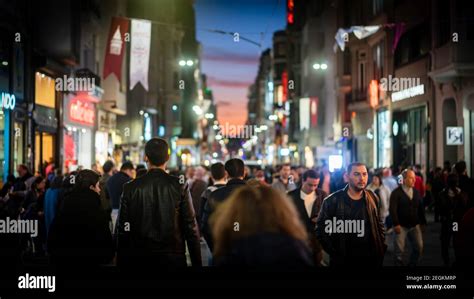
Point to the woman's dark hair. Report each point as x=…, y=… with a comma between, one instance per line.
x=36, y=182
x=86, y=178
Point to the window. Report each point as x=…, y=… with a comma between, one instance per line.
x=377, y=7
x=347, y=62
x=413, y=44
x=378, y=60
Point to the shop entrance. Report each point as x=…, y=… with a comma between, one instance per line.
x=410, y=138
x=44, y=150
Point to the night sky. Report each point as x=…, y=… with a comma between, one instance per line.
x=231, y=66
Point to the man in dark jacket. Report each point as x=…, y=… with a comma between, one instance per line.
x=349, y=226
x=115, y=187
x=466, y=184
x=308, y=200
x=218, y=175
x=235, y=171
x=408, y=217
x=156, y=218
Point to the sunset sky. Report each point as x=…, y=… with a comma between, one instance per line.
x=231, y=66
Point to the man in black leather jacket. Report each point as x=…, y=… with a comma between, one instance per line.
x=349, y=226
x=156, y=217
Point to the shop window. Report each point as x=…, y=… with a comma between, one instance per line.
x=45, y=91
x=44, y=149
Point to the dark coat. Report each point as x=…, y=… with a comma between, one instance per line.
x=216, y=198
x=308, y=222
x=269, y=250
x=115, y=188
x=156, y=218
x=405, y=211
x=334, y=244
x=80, y=233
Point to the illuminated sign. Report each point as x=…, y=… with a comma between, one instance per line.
x=290, y=16
x=8, y=101
x=408, y=93
x=81, y=112
x=373, y=93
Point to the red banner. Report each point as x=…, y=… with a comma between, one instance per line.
x=313, y=102
x=115, y=47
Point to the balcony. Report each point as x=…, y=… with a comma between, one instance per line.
x=452, y=60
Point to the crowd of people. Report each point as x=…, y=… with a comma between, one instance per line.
x=148, y=216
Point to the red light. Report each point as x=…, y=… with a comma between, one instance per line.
x=291, y=5
x=290, y=18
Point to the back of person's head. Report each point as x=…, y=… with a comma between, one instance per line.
x=140, y=166
x=218, y=171
x=157, y=151
x=85, y=179
x=57, y=182
x=452, y=181
x=141, y=172
x=127, y=165
x=108, y=166
x=235, y=168
x=460, y=167
x=36, y=182
x=257, y=209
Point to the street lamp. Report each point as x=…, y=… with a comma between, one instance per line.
x=189, y=63
x=182, y=62
x=324, y=66
x=320, y=66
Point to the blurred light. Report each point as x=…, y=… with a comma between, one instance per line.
x=42, y=75
x=324, y=66
x=74, y=129
x=206, y=163
x=215, y=127
x=259, y=162
x=316, y=66
x=146, y=114
x=209, y=115
x=335, y=162
x=272, y=117
x=264, y=127
x=270, y=86
x=197, y=109
x=189, y=63
x=257, y=130
x=284, y=151
x=83, y=131
x=141, y=112
x=5, y=63
x=221, y=142
x=161, y=131
x=182, y=63
x=215, y=155
x=218, y=137
x=174, y=108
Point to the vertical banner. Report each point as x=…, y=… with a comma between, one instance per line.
x=304, y=113
x=115, y=47
x=140, y=53
x=314, y=111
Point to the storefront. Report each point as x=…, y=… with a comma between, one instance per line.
x=78, y=131
x=383, y=140
x=46, y=120
x=12, y=107
x=410, y=116
x=105, y=136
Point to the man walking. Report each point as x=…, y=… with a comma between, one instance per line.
x=349, y=226
x=407, y=211
x=308, y=200
x=235, y=171
x=284, y=183
x=156, y=218
x=115, y=187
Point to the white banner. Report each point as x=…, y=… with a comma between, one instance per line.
x=140, y=53
x=304, y=113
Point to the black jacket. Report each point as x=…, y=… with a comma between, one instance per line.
x=80, y=233
x=334, y=244
x=308, y=222
x=269, y=250
x=115, y=187
x=155, y=219
x=215, y=198
x=405, y=211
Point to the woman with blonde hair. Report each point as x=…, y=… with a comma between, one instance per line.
x=257, y=226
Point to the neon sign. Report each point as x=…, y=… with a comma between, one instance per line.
x=8, y=101
x=81, y=112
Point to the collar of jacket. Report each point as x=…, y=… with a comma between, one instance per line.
x=236, y=182
x=156, y=170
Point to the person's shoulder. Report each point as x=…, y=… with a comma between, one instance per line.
x=335, y=196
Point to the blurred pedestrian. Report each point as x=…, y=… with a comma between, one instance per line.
x=408, y=217
x=466, y=183
x=79, y=237
x=453, y=206
x=51, y=202
x=308, y=200
x=219, y=176
x=235, y=171
x=383, y=194
x=198, y=187
x=284, y=183
x=156, y=219
x=115, y=187
x=258, y=227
